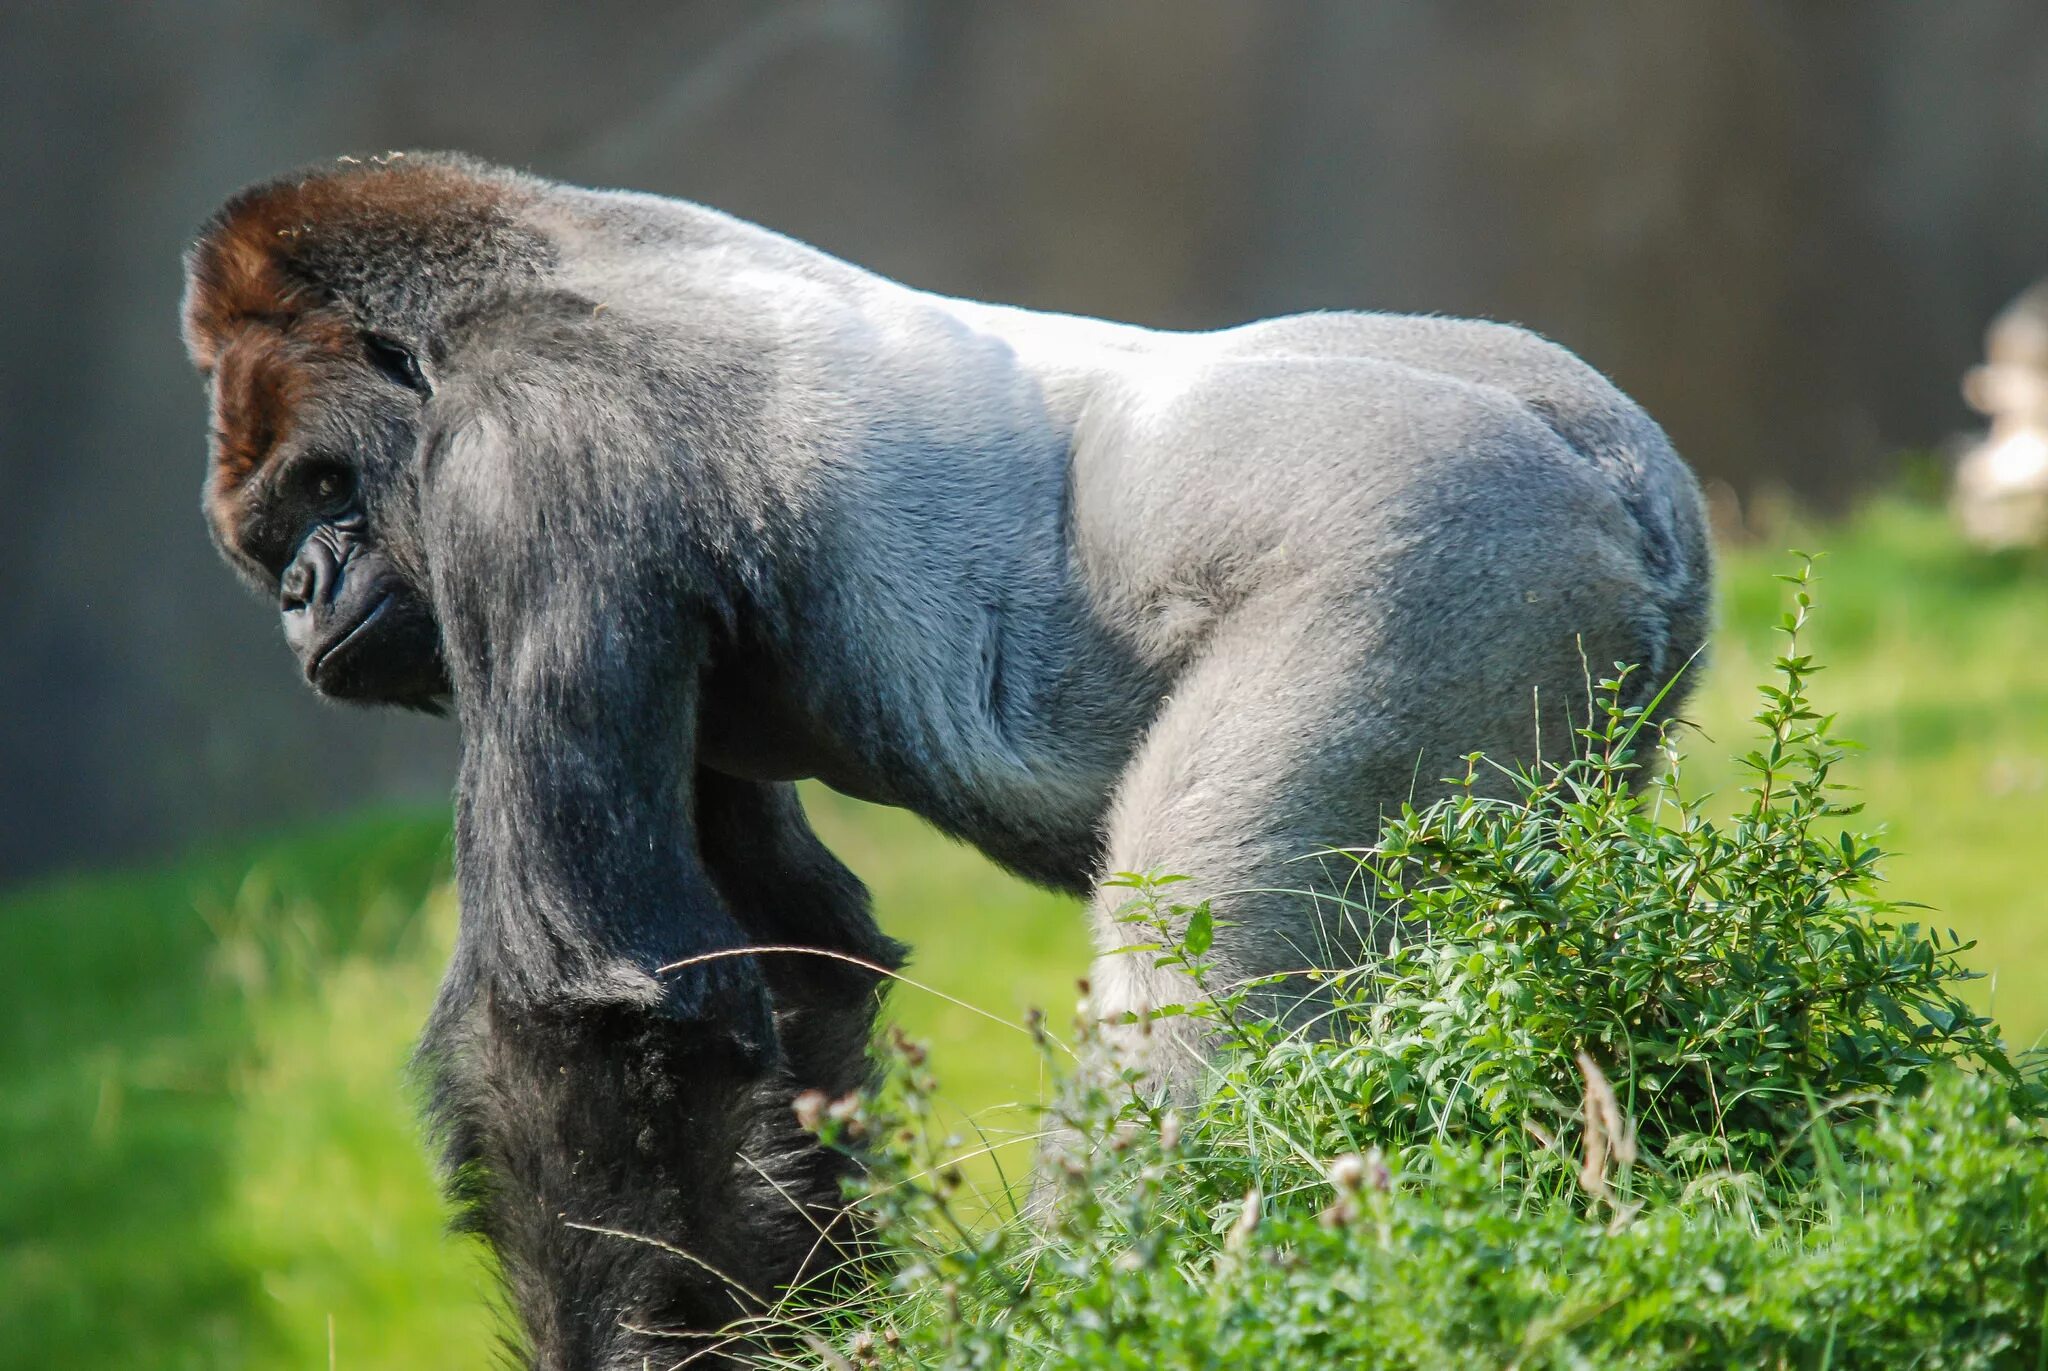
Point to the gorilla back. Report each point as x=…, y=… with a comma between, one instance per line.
x=677, y=511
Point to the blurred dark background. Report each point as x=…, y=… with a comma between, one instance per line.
x=1782, y=226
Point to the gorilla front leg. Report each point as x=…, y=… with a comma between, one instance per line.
x=827, y=984
x=788, y=891
x=620, y=1131
x=575, y=670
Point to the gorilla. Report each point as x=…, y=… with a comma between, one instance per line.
x=672, y=512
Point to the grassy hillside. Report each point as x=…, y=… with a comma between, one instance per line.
x=211, y=1155
x=1657, y=1089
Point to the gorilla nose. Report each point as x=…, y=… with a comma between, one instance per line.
x=309, y=580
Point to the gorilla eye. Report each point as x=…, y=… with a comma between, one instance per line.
x=332, y=485
x=397, y=363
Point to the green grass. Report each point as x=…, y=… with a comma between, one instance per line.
x=203, y=1110
x=208, y=1134
x=210, y=1137
x=1936, y=661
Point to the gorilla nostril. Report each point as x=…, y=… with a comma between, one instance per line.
x=296, y=590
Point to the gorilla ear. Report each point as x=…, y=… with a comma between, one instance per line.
x=397, y=362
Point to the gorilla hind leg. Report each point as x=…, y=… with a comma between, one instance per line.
x=1308, y=719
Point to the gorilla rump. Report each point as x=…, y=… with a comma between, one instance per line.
x=675, y=511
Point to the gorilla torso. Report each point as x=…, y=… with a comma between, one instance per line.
x=1064, y=508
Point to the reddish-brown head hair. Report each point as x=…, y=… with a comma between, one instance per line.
x=356, y=235
x=289, y=274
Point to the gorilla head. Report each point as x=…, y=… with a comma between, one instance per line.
x=317, y=392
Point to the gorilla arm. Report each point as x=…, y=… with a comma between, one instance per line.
x=602, y=1115
x=575, y=647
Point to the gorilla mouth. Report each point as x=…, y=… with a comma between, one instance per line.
x=333, y=650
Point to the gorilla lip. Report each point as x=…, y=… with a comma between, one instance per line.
x=320, y=659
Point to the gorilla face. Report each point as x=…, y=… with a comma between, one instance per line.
x=311, y=497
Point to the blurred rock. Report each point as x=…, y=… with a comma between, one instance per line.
x=2001, y=486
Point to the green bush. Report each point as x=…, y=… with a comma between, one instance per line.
x=1637, y=1088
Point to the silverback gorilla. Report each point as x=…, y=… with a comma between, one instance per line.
x=675, y=511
